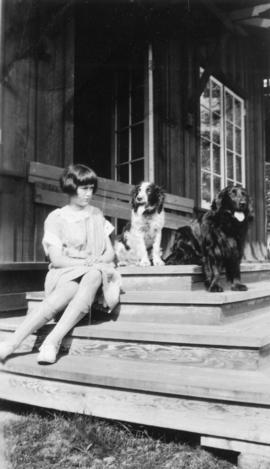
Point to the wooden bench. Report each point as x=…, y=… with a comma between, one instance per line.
x=112, y=197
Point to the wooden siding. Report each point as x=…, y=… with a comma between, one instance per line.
x=37, y=114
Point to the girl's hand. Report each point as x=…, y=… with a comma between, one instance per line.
x=75, y=253
x=91, y=260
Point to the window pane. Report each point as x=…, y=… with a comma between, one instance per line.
x=137, y=75
x=205, y=154
x=137, y=105
x=122, y=114
x=238, y=169
x=217, y=185
x=216, y=98
x=216, y=128
x=137, y=141
x=122, y=173
x=237, y=109
x=238, y=143
x=205, y=123
x=137, y=172
x=229, y=106
x=122, y=143
x=206, y=188
x=229, y=165
x=216, y=159
x=205, y=97
x=229, y=136
x=123, y=100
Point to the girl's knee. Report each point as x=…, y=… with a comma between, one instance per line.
x=48, y=309
x=93, y=277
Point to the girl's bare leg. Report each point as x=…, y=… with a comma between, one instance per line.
x=77, y=308
x=46, y=311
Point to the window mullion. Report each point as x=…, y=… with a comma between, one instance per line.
x=129, y=130
x=223, y=150
x=211, y=141
x=243, y=161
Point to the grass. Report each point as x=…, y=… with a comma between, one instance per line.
x=67, y=441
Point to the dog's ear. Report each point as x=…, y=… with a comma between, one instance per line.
x=133, y=194
x=220, y=200
x=161, y=199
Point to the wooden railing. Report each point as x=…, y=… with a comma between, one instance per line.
x=112, y=197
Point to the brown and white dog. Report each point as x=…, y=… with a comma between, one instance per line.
x=140, y=240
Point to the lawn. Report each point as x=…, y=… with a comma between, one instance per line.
x=67, y=441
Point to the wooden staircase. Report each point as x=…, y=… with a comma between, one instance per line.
x=173, y=356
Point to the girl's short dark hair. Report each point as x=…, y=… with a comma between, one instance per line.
x=75, y=176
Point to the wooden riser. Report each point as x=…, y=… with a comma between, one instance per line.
x=183, y=277
x=228, y=420
x=246, y=387
x=185, y=307
x=29, y=276
x=244, y=429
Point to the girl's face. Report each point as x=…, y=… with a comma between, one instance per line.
x=83, y=195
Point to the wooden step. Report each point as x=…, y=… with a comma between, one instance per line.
x=183, y=277
x=161, y=278
x=186, y=307
x=244, y=346
x=248, y=387
x=19, y=277
x=194, y=355
x=223, y=419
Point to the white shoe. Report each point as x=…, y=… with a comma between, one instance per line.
x=6, y=349
x=47, y=353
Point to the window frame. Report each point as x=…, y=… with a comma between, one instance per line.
x=223, y=175
x=147, y=122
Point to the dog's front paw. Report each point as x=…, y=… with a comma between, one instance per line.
x=216, y=288
x=144, y=262
x=158, y=261
x=239, y=287
x=121, y=263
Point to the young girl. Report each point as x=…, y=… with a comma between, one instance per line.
x=76, y=240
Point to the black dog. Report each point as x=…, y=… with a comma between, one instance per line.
x=216, y=240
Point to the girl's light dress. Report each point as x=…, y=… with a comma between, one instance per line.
x=78, y=234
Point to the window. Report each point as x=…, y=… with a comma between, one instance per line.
x=133, y=129
x=222, y=140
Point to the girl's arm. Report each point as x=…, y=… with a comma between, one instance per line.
x=108, y=255
x=105, y=258
x=58, y=259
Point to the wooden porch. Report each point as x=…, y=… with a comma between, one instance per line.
x=172, y=356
